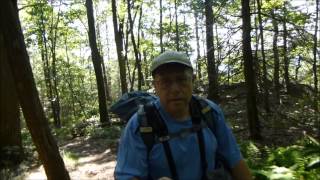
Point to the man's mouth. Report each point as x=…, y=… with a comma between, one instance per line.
x=176, y=99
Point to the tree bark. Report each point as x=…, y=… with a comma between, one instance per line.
x=161, y=29
x=285, y=50
x=12, y=42
x=10, y=130
x=96, y=59
x=264, y=66
x=176, y=25
x=119, y=45
x=213, y=93
x=252, y=112
x=276, y=59
x=198, y=64
x=56, y=96
x=47, y=71
x=70, y=79
x=314, y=66
x=135, y=48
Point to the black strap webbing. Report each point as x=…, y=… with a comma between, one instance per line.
x=197, y=119
x=160, y=130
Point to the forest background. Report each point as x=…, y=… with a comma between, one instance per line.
x=259, y=60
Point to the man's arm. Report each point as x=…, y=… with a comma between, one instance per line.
x=132, y=153
x=241, y=171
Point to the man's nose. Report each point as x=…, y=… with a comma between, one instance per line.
x=175, y=85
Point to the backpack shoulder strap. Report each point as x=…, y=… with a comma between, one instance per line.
x=207, y=114
x=210, y=119
x=145, y=129
x=153, y=127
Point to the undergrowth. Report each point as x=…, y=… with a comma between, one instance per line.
x=299, y=161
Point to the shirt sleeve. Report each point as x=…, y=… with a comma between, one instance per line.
x=227, y=145
x=132, y=153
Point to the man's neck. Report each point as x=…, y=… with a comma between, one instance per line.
x=181, y=115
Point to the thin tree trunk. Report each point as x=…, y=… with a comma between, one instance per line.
x=138, y=44
x=219, y=59
x=276, y=59
x=45, y=59
x=176, y=25
x=70, y=80
x=298, y=66
x=108, y=85
x=252, y=112
x=198, y=64
x=264, y=66
x=100, y=48
x=211, y=64
x=285, y=51
x=256, y=61
x=56, y=96
x=314, y=66
x=135, y=48
x=161, y=29
x=96, y=59
x=12, y=42
x=119, y=44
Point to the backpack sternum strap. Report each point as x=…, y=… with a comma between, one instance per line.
x=184, y=132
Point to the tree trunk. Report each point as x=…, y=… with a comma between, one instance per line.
x=138, y=44
x=42, y=43
x=218, y=57
x=314, y=66
x=12, y=42
x=276, y=59
x=104, y=73
x=298, y=66
x=285, y=51
x=249, y=73
x=256, y=62
x=119, y=43
x=70, y=80
x=264, y=66
x=10, y=130
x=176, y=25
x=135, y=48
x=161, y=29
x=108, y=85
x=96, y=59
x=211, y=64
x=198, y=64
x=56, y=96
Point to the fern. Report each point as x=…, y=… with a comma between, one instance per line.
x=300, y=161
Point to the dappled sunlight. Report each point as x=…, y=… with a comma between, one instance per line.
x=82, y=165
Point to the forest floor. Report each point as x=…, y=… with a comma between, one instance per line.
x=86, y=158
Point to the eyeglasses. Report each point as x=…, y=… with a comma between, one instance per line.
x=168, y=82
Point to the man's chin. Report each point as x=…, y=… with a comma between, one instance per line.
x=178, y=105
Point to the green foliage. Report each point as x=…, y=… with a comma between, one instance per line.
x=111, y=132
x=300, y=161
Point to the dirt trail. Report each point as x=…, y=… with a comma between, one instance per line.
x=84, y=159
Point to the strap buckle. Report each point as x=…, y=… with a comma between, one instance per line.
x=164, y=138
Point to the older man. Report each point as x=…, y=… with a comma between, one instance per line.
x=187, y=150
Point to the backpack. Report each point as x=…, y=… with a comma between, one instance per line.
x=153, y=129
x=129, y=103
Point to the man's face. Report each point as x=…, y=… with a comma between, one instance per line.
x=173, y=85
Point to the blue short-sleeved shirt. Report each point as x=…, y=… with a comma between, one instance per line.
x=132, y=158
